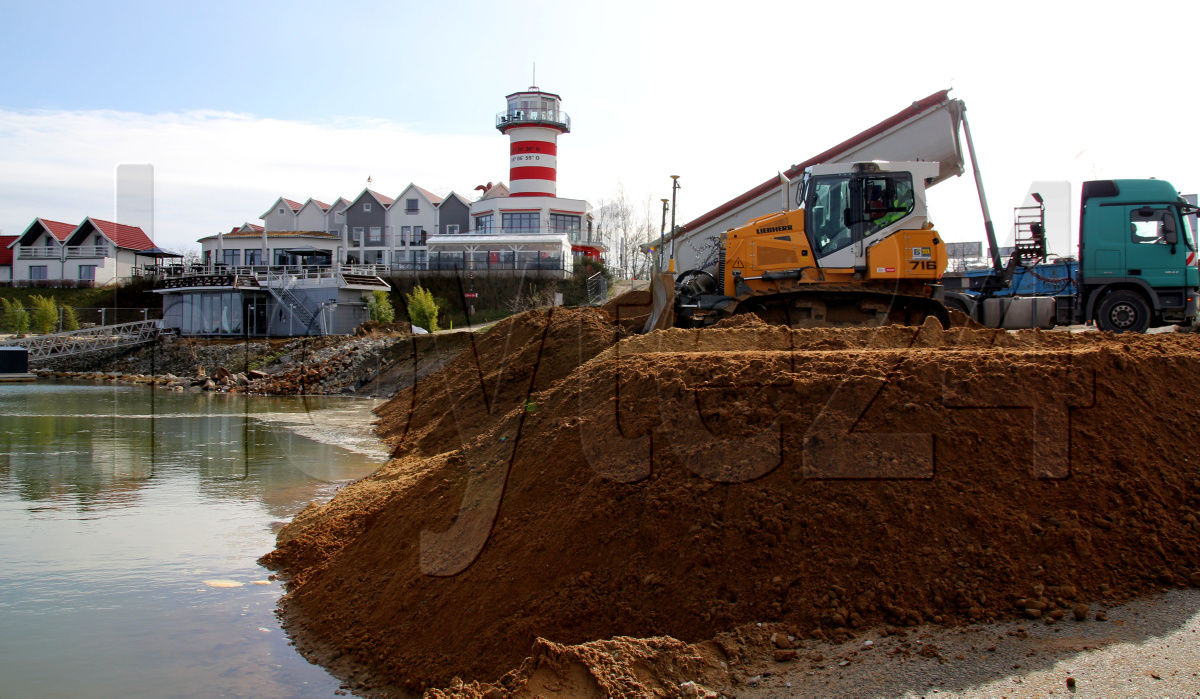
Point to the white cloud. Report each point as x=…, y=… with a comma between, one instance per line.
x=216, y=170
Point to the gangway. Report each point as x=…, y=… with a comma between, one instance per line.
x=103, y=337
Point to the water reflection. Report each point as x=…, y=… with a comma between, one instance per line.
x=117, y=502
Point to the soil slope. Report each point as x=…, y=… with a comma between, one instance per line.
x=562, y=481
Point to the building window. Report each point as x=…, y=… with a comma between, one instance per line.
x=366, y=206
x=452, y=229
x=48, y=242
x=405, y=235
x=483, y=224
x=566, y=224
x=281, y=211
x=252, y=257
x=38, y=272
x=87, y=273
x=418, y=235
x=410, y=206
x=420, y=259
x=376, y=235
x=521, y=223
x=356, y=236
x=207, y=257
x=232, y=257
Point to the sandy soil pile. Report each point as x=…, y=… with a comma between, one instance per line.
x=560, y=480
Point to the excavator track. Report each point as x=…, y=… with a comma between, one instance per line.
x=823, y=309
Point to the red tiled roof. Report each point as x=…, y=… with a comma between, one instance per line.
x=433, y=198
x=294, y=206
x=59, y=229
x=386, y=201
x=252, y=226
x=323, y=205
x=123, y=236
x=6, y=253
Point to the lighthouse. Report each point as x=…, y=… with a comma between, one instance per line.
x=533, y=121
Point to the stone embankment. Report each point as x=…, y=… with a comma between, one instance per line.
x=325, y=365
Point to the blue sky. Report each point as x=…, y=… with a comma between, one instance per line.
x=238, y=103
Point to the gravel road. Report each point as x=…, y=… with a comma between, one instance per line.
x=1149, y=647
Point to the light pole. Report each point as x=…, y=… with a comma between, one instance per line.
x=662, y=235
x=291, y=315
x=674, y=232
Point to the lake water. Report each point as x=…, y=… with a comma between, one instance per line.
x=120, y=506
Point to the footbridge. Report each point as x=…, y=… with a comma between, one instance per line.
x=103, y=337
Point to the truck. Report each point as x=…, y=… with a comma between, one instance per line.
x=1136, y=267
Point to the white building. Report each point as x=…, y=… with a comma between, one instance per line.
x=526, y=225
x=94, y=252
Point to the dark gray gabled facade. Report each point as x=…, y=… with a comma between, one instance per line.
x=454, y=210
x=367, y=212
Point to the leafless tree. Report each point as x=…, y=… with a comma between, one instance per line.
x=623, y=225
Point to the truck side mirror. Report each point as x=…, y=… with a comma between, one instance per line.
x=1170, y=234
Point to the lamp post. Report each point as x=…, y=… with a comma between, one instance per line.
x=662, y=234
x=674, y=232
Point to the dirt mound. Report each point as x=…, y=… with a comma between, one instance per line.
x=555, y=483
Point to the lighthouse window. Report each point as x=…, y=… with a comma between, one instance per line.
x=520, y=223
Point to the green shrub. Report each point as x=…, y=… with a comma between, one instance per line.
x=380, y=306
x=70, y=318
x=9, y=310
x=44, y=318
x=422, y=309
x=14, y=317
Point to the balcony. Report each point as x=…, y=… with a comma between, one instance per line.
x=37, y=253
x=552, y=118
x=87, y=251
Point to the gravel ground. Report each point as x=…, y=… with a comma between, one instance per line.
x=1149, y=647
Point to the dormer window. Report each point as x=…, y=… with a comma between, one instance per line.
x=366, y=206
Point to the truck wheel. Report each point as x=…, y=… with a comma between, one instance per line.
x=1123, y=312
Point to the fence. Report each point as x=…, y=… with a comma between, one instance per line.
x=494, y=260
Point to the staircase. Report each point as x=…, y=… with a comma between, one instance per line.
x=280, y=289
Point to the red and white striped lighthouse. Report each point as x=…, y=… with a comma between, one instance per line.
x=533, y=122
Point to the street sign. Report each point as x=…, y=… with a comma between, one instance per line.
x=471, y=295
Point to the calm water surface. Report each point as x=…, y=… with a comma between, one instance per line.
x=118, y=503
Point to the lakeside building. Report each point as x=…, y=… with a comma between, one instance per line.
x=520, y=227
x=6, y=257
x=94, y=252
x=524, y=226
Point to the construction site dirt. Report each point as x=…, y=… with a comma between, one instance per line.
x=573, y=509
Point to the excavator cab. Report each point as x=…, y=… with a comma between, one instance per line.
x=851, y=206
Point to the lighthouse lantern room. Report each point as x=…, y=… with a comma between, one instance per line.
x=532, y=123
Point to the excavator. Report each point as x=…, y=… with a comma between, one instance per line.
x=859, y=250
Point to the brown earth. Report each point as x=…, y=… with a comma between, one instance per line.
x=565, y=481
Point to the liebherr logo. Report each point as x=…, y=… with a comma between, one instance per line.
x=774, y=229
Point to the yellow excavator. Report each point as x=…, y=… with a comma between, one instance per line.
x=860, y=250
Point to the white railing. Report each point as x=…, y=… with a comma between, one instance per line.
x=88, y=251
x=32, y=252
x=95, y=339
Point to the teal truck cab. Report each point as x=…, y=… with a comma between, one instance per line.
x=1137, y=256
x=1138, y=265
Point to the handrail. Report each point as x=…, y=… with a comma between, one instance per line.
x=55, y=345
